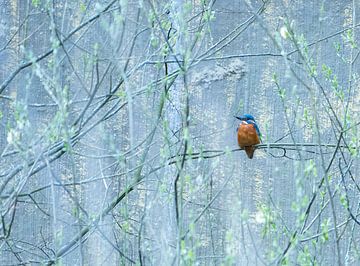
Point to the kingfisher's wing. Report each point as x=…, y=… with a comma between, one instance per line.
x=256, y=128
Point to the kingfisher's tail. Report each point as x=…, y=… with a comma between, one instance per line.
x=250, y=151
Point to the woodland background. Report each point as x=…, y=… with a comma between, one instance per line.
x=118, y=137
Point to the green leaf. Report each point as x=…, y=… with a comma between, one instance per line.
x=35, y=3
x=82, y=7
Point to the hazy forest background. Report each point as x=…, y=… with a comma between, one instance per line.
x=118, y=142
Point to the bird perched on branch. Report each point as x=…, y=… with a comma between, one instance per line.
x=248, y=134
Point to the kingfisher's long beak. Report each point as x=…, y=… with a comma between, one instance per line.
x=242, y=118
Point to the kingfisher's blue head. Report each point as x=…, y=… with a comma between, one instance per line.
x=245, y=117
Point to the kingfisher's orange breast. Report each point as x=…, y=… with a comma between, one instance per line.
x=247, y=135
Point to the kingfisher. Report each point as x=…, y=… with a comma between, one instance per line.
x=248, y=134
